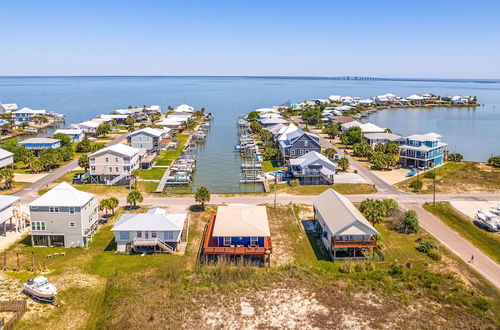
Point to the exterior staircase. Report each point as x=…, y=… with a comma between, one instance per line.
x=116, y=179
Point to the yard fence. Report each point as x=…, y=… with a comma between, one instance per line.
x=18, y=307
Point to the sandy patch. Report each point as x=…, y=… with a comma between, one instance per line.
x=22, y=177
x=393, y=176
x=276, y=308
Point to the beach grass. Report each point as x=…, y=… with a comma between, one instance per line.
x=488, y=243
x=131, y=291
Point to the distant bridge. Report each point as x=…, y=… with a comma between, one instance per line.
x=361, y=78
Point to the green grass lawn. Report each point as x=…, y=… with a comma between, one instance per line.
x=458, y=178
x=343, y=188
x=487, y=242
x=271, y=165
x=155, y=173
x=16, y=186
x=101, y=289
x=166, y=157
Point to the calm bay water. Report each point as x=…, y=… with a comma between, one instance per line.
x=475, y=132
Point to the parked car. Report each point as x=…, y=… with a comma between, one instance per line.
x=81, y=178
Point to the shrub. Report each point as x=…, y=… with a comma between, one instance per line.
x=410, y=223
x=482, y=303
x=294, y=183
x=429, y=175
x=396, y=270
x=346, y=268
x=370, y=266
x=416, y=185
x=425, y=246
x=455, y=157
x=358, y=268
x=494, y=161
x=434, y=255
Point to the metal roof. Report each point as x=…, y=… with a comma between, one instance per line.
x=241, y=220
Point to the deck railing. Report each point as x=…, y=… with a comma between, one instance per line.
x=354, y=244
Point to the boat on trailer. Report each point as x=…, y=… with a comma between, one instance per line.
x=40, y=289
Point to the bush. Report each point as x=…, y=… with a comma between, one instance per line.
x=455, y=157
x=494, y=161
x=294, y=183
x=359, y=268
x=434, y=255
x=370, y=266
x=410, y=223
x=482, y=303
x=346, y=268
x=416, y=185
x=396, y=270
x=425, y=246
x=429, y=175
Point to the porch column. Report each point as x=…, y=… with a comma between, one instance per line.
x=11, y=224
x=4, y=229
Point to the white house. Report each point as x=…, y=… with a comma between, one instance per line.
x=6, y=158
x=114, y=164
x=155, y=231
x=89, y=127
x=7, y=203
x=8, y=107
x=25, y=114
x=383, y=138
x=335, y=98
x=459, y=100
x=184, y=108
x=76, y=134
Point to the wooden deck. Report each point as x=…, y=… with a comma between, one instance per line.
x=354, y=244
x=210, y=245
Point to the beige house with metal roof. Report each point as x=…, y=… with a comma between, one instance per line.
x=113, y=165
x=344, y=231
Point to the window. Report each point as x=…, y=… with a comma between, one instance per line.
x=72, y=224
x=71, y=210
x=107, y=159
x=153, y=234
x=293, y=152
x=227, y=240
x=301, y=152
x=92, y=168
x=111, y=169
x=53, y=209
x=124, y=235
x=116, y=159
x=306, y=143
x=169, y=236
x=254, y=241
x=139, y=234
x=38, y=225
x=117, y=170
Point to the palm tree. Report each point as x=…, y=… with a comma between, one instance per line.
x=135, y=175
x=84, y=162
x=113, y=204
x=104, y=205
x=202, y=196
x=344, y=163
x=134, y=197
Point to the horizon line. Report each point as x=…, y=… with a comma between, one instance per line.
x=344, y=77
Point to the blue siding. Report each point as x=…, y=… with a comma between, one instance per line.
x=240, y=241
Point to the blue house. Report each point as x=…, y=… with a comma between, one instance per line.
x=37, y=144
x=239, y=230
x=422, y=151
x=294, y=142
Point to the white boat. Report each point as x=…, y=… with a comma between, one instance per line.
x=487, y=220
x=40, y=288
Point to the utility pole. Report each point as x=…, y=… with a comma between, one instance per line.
x=434, y=196
x=275, y=184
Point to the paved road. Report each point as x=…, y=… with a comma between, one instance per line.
x=460, y=246
x=29, y=193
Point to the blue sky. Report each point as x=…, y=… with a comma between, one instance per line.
x=375, y=38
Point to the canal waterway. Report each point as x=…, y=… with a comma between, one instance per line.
x=475, y=132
